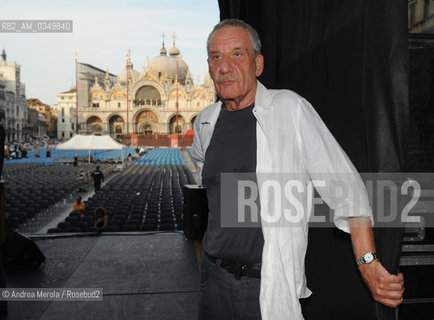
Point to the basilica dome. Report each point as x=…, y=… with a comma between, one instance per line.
x=165, y=66
x=174, y=51
x=133, y=74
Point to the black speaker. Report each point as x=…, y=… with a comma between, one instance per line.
x=195, y=211
x=21, y=252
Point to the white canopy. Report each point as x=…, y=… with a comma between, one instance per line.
x=82, y=142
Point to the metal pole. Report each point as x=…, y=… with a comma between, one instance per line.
x=177, y=80
x=76, y=95
x=128, y=127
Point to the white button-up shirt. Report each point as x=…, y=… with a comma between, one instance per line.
x=291, y=139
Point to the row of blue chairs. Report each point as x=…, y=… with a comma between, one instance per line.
x=162, y=157
x=97, y=155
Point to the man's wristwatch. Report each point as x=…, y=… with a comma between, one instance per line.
x=368, y=257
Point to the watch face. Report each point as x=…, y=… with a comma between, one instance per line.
x=369, y=257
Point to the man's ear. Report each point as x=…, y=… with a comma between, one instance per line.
x=259, y=60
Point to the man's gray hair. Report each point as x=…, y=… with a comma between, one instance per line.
x=254, y=37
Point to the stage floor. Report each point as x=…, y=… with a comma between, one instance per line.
x=143, y=276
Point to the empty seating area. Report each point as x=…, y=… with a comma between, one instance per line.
x=142, y=198
x=162, y=156
x=33, y=188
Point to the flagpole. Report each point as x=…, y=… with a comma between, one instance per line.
x=76, y=95
x=128, y=125
x=177, y=80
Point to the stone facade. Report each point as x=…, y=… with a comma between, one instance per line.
x=145, y=104
x=37, y=125
x=13, y=103
x=45, y=110
x=65, y=108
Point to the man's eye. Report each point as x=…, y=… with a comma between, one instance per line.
x=237, y=54
x=216, y=57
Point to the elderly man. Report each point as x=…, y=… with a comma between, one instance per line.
x=247, y=273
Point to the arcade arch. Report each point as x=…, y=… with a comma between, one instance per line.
x=94, y=125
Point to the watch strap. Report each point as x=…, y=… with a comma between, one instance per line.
x=362, y=259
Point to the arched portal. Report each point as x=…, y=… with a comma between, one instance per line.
x=146, y=122
x=175, y=127
x=116, y=124
x=146, y=128
x=94, y=125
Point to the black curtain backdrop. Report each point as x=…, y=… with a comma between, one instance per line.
x=2, y=147
x=349, y=59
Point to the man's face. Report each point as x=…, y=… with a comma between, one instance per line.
x=233, y=65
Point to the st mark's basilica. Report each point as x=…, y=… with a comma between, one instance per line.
x=107, y=104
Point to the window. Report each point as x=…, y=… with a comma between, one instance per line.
x=63, y=134
x=72, y=126
x=70, y=134
x=119, y=104
x=63, y=120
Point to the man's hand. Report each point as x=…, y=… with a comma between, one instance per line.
x=385, y=288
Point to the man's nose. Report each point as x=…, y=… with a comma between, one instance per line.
x=225, y=65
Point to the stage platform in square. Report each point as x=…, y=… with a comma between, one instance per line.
x=143, y=276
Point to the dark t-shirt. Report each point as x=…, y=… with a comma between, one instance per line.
x=97, y=176
x=232, y=149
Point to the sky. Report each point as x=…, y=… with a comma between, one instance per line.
x=103, y=33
